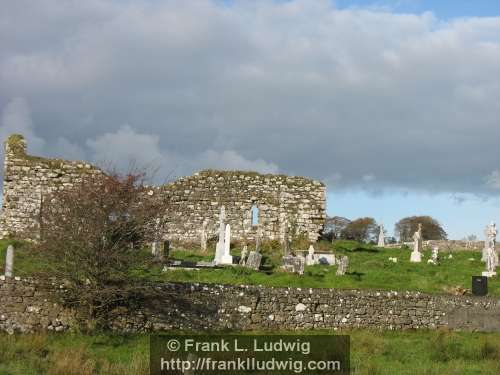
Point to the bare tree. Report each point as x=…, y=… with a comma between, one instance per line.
x=92, y=234
x=334, y=226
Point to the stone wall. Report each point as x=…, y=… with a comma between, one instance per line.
x=448, y=245
x=26, y=180
x=279, y=199
x=193, y=200
x=28, y=306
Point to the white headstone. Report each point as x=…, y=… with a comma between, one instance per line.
x=381, y=236
x=9, y=261
x=490, y=234
x=219, y=248
x=416, y=255
x=491, y=262
x=310, y=256
x=435, y=256
x=226, y=255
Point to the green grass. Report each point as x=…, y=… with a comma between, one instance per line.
x=27, y=261
x=372, y=353
x=369, y=268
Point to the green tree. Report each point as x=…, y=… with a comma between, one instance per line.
x=431, y=228
x=364, y=229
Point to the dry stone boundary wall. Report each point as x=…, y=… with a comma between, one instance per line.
x=28, y=305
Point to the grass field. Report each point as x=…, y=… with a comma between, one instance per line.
x=372, y=353
x=402, y=352
x=369, y=268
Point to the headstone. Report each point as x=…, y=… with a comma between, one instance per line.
x=9, y=261
x=166, y=248
x=381, y=236
x=294, y=264
x=416, y=255
x=435, y=256
x=491, y=263
x=343, y=263
x=254, y=260
x=490, y=234
x=258, y=239
x=310, y=256
x=204, y=236
x=286, y=241
x=243, y=257
x=219, y=248
x=226, y=257
x=326, y=259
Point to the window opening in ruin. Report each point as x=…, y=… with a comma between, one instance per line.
x=255, y=215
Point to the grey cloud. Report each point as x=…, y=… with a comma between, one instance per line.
x=298, y=86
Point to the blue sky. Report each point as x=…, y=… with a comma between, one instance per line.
x=394, y=105
x=444, y=9
x=459, y=217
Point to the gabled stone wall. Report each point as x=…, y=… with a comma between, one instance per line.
x=280, y=199
x=26, y=180
x=193, y=200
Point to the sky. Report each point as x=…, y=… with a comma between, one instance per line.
x=394, y=105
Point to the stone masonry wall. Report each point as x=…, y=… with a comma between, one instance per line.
x=27, y=179
x=28, y=306
x=280, y=199
x=192, y=200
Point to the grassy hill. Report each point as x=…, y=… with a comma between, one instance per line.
x=369, y=268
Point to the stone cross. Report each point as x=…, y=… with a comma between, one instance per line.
x=490, y=240
x=155, y=246
x=244, y=253
x=343, y=263
x=381, y=236
x=9, y=261
x=491, y=262
x=204, y=236
x=416, y=255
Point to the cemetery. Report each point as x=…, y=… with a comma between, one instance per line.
x=227, y=258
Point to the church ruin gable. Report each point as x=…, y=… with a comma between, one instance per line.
x=251, y=199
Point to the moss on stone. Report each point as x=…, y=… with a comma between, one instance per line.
x=16, y=144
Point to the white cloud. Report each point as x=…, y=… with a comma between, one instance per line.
x=493, y=180
x=16, y=118
x=127, y=146
x=368, y=178
x=315, y=90
x=231, y=160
